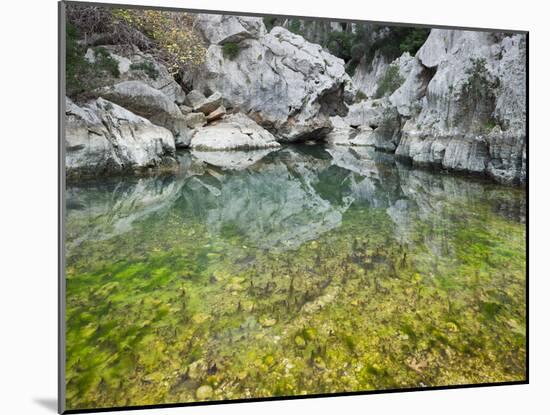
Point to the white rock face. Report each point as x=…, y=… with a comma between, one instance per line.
x=102, y=138
x=147, y=102
x=219, y=29
x=367, y=76
x=233, y=132
x=481, y=132
x=408, y=98
x=461, y=107
x=370, y=123
x=285, y=83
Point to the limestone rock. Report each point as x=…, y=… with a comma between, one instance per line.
x=195, y=120
x=216, y=114
x=193, y=98
x=379, y=121
x=104, y=138
x=220, y=29
x=148, y=102
x=233, y=132
x=207, y=105
x=183, y=139
x=185, y=109
x=367, y=75
x=284, y=83
x=450, y=125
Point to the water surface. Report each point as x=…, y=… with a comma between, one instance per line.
x=310, y=270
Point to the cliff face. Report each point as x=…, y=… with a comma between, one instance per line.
x=287, y=84
x=461, y=104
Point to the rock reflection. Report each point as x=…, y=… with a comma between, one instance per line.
x=281, y=199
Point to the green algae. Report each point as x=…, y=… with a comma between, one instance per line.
x=187, y=303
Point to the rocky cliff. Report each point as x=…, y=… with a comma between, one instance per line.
x=460, y=105
x=287, y=84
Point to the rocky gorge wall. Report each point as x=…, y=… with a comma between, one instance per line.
x=458, y=104
x=461, y=106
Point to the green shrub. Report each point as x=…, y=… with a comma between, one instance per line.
x=81, y=75
x=360, y=96
x=340, y=44
x=390, y=82
x=395, y=42
x=269, y=22
x=295, y=26
x=104, y=61
x=478, y=84
x=171, y=37
x=147, y=67
x=351, y=67
x=230, y=50
x=476, y=96
x=413, y=39
x=357, y=51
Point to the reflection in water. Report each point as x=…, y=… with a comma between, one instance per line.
x=309, y=270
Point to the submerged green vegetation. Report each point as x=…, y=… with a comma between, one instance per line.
x=301, y=274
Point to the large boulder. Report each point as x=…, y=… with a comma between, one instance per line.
x=288, y=85
x=104, y=138
x=233, y=132
x=148, y=102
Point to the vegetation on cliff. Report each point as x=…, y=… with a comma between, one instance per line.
x=170, y=37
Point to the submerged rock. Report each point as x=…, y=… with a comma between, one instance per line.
x=204, y=392
x=232, y=160
x=233, y=132
x=103, y=138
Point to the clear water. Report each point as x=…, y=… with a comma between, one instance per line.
x=310, y=271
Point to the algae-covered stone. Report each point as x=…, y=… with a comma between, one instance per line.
x=204, y=392
x=268, y=322
x=300, y=342
x=197, y=369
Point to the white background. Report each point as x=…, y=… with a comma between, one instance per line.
x=28, y=222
